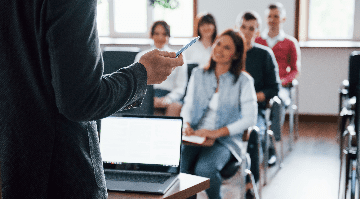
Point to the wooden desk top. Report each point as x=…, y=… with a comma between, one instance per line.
x=187, y=186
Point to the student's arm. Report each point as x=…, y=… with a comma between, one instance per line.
x=271, y=76
x=81, y=92
x=249, y=109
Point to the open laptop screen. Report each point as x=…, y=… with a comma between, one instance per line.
x=141, y=143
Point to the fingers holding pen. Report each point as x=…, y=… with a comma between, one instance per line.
x=167, y=54
x=159, y=65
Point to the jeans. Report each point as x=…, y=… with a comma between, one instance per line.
x=206, y=162
x=261, y=123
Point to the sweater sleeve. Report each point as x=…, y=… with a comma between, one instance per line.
x=271, y=76
x=293, y=62
x=81, y=92
x=248, y=109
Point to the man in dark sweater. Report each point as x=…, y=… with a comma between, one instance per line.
x=52, y=90
x=262, y=66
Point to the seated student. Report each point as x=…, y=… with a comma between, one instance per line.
x=262, y=66
x=220, y=104
x=285, y=48
x=169, y=93
x=200, y=51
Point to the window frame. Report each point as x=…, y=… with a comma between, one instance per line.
x=114, y=34
x=302, y=23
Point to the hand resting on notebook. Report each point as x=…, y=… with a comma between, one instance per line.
x=202, y=137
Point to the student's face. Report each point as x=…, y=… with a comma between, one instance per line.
x=274, y=18
x=250, y=29
x=207, y=30
x=223, y=50
x=160, y=38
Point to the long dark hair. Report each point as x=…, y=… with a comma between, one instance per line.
x=237, y=65
x=206, y=19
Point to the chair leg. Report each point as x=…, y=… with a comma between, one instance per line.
x=266, y=157
x=255, y=189
x=291, y=126
x=272, y=139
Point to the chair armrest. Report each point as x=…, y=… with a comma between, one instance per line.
x=292, y=84
x=271, y=101
x=248, y=132
x=344, y=84
x=253, y=149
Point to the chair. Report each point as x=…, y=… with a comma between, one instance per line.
x=119, y=57
x=348, y=130
x=273, y=134
x=250, y=165
x=293, y=113
x=348, y=152
x=347, y=96
x=190, y=66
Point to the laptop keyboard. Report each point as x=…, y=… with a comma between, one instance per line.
x=136, y=177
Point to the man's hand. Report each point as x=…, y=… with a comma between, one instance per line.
x=159, y=65
x=260, y=96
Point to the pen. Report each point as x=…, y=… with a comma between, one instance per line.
x=187, y=46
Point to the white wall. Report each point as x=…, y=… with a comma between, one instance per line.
x=226, y=11
x=323, y=69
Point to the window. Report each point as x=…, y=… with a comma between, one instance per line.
x=124, y=18
x=329, y=20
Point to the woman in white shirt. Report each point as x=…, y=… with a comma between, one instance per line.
x=170, y=92
x=200, y=51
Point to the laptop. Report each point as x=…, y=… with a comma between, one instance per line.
x=141, y=153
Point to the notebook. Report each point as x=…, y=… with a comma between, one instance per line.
x=141, y=153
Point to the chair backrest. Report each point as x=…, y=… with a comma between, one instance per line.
x=354, y=75
x=354, y=90
x=254, y=153
x=275, y=112
x=190, y=66
x=233, y=165
x=119, y=57
x=357, y=129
